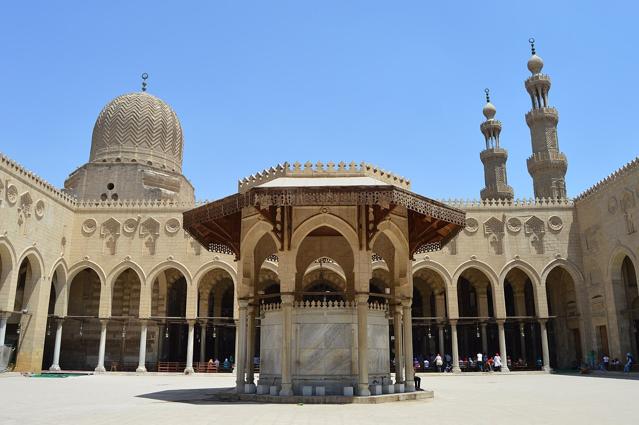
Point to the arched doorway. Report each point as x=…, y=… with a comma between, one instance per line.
x=81, y=335
x=323, y=281
x=123, y=330
x=168, y=310
x=564, y=333
x=216, y=328
x=431, y=333
x=523, y=336
x=476, y=329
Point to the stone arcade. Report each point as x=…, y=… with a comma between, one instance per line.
x=330, y=337
x=307, y=265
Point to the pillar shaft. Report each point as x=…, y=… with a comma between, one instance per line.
x=453, y=342
x=203, y=342
x=3, y=328
x=502, y=346
x=484, y=338
x=240, y=358
x=103, y=334
x=55, y=366
x=287, y=334
x=142, y=354
x=442, y=347
x=362, y=344
x=189, y=348
x=544, y=345
x=399, y=346
x=250, y=345
x=408, y=345
x=522, y=340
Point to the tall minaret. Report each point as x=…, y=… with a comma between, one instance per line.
x=547, y=165
x=493, y=157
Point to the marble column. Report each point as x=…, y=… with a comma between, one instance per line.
x=203, y=342
x=522, y=340
x=399, y=346
x=250, y=345
x=142, y=354
x=55, y=366
x=484, y=338
x=453, y=343
x=240, y=357
x=189, y=348
x=362, y=344
x=544, y=345
x=502, y=346
x=103, y=335
x=287, y=334
x=409, y=368
x=442, y=347
x=3, y=328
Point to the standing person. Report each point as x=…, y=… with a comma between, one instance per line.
x=606, y=361
x=497, y=362
x=629, y=362
x=448, y=359
x=439, y=362
x=480, y=361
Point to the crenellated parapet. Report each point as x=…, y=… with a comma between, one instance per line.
x=610, y=179
x=19, y=171
x=321, y=169
x=508, y=203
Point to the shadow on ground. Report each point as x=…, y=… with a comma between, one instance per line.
x=601, y=374
x=196, y=396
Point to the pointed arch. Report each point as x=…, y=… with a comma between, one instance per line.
x=212, y=265
x=121, y=267
x=170, y=264
x=616, y=258
x=87, y=264
x=329, y=220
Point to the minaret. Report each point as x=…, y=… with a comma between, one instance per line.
x=547, y=165
x=493, y=157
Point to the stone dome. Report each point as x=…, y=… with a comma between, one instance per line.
x=138, y=127
x=535, y=64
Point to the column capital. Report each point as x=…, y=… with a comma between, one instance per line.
x=542, y=320
x=453, y=322
x=407, y=302
x=362, y=297
x=243, y=303
x=500, y=322
x=104, y=321
x=191, y=322
x=287, y=299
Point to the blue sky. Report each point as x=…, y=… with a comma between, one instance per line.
x=255, y=83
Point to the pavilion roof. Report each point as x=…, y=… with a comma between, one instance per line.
x=218, y=223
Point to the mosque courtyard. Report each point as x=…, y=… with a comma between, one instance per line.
x=461, y=399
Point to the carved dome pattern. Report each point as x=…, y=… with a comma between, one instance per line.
x=138, y=127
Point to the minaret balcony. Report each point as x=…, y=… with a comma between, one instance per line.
x=493, y=153
x=548, y=114
x=545, y=160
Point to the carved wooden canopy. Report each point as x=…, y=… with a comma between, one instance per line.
x=218, y=224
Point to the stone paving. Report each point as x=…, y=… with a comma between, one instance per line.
x=172, y=399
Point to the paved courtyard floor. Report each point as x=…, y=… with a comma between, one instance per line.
x=467, y=399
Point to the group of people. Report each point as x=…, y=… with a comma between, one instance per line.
x=615, y=364
x=480, y=362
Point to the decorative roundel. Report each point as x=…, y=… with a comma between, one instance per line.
x=89, y=226
x=129, y=225
x=471, y=225
x=172, y=225
x=39, y=209
x=555, y=223
x=513, y=224
x=12, y=194
x=612, y=205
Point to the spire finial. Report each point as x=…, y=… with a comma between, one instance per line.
x=532, y=45
x=144, y=78
x=487, y=91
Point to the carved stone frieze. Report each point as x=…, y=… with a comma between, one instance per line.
x=110, y=232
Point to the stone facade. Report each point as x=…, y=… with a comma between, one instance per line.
x=89, y=281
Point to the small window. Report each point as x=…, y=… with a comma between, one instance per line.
x=114, y=196
x=103, y=196
x=110, y=186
